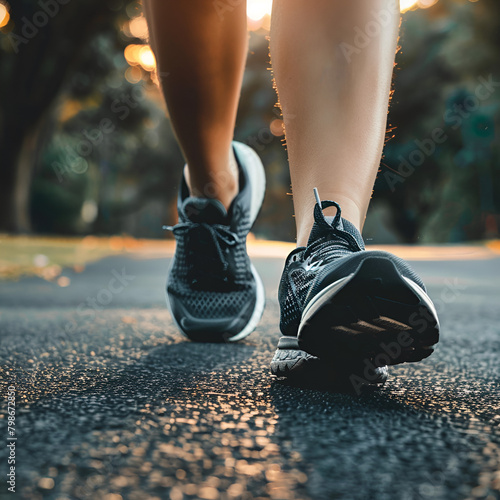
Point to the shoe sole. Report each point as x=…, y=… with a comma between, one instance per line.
x=374, y=315
x=291, y=362
x=247, y=156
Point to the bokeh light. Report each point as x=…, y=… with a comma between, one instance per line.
x=138, y=27
x=4, y=15
x=146, y=58
x=140, y=55
x=132, y=53
x=133, y=74
x=277, y=127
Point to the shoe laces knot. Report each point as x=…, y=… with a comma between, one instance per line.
x=221, y=237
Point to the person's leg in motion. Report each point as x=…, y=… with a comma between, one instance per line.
x=333, y=87
x=334, y=92
x=201, y=55
x=213, y=291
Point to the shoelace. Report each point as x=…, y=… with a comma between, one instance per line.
x=220, y=235
x=324, y=249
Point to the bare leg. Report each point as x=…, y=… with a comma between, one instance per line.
x=334, y=99
x=201, y=52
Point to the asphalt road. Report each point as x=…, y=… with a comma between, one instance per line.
x=112, y=402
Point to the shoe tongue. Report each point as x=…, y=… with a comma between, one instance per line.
x=342, y=225
x=204, y=210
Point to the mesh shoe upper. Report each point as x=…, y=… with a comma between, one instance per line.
x=335, y=249
x=208, y=263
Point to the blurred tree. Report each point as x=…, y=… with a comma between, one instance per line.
x=40, y=46
x=104, y=147
x=440, y=173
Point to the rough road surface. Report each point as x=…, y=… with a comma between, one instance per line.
x=113, y=403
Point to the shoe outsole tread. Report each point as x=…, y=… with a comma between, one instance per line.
x=377, y=315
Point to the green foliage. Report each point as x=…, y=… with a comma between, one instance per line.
x=445, y=190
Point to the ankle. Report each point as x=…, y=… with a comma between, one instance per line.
x=220, y=183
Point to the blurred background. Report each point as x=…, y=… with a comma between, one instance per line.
x=87, y=149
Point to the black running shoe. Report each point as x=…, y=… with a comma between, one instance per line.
x=349, y=308
x=213, y=291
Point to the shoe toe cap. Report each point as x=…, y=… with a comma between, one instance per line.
x=195, y=324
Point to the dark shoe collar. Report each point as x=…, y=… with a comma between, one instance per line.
x=333, y=228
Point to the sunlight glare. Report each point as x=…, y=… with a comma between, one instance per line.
x=257, y=9
x=407, y=4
